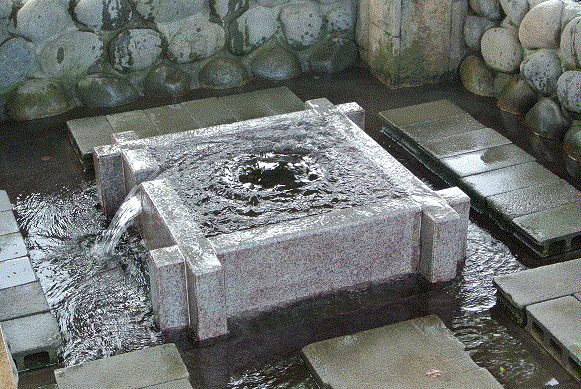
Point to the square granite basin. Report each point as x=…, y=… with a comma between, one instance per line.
x=250, y=216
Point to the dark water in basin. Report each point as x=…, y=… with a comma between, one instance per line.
x=105, y=312
x=257, y=177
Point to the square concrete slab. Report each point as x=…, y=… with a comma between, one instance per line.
x=281, y=100
x=400, y=355
x=14, y=272
x=555, y=224
x=486, y=160
x=22, y=300
x=8, y=223
x=171, y=118
x=540, y=284
x=427, y=132
x=246, y=106
x=209, y=112
x=510, y=178
x=40, y=343
x=88, y=133
x=421, y=112
x=12, y=246
x=533, y=199
x=466, y=142
x=8, y=372
x=137, y=369
x=137, y=121
x=5, y=204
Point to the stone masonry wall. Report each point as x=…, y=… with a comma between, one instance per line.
x=56, y=55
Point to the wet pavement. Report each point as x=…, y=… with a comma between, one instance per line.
x=57, y=210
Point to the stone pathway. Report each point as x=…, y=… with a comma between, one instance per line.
x=87, y=133
x=501, y=179
x=418, y=353
x=28, y=326
x=548, y=300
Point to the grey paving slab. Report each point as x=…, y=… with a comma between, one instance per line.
x=509, y=178
x=137, y=369
x=281, y=100
x=14, y=272
x=179, y=384
x=246, y=106
x=540, y=284
x=8, y=223
x=12, y=246
x=534, y=199
x=427, y=132
x=209, y=112
x=137, y=121
x=556, y=325
x=5, y=204
x=88, y=133
x=421, y=112
x=170, y=119
x=39, y=344
x=466, y=142
x=486, y=160
x=555, y=224
x=22, y=300
x=396, y=356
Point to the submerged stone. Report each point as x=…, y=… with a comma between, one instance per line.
x=333, y=55
x=167, y=80
x=251, y=30
x=39, y=98
x=547, y=120
x=476, y=76
x=301, y=24
x=42, y=19
x=135, y=49
x=16, y=62
x=106, y=90
x=278, y=63
x=517, y=97
x=222, y=73
x=107, y=15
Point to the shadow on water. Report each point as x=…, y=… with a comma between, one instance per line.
x=103, y=312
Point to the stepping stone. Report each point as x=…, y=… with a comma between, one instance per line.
x=170, y=119
x=137, y=121
x=138, y=369
x=533, y=199
x=5, y=204
x=8, y=223
x=540, y=284
x=38, y=346
x=22, y=300
x=486, y=160
x=421, y=112
x=430, y=131
x=208, y=112
x=14, y=272
x=246, y=106
x=281, y=100
x=400, y=355
x=556, y=325
x=88, y=133
x=509, y=178
x=8, y=372
x=12, y=246
x=465, y=143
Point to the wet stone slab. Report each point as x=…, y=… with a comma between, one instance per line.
x=430, y=131
x=466, y=143
x=8, y=223
x=421, y=112
x=208, y=112
x=137, y=121
x=87, y=133
x=400, y=355
x=486, y=160
x=12, y=246
x=178, y=384
x=14, y=272
x=247, y=106
x=170, y=119
x=138, y=369
x=22, y=300
x=280, y=100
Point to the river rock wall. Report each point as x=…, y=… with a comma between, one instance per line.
x=56, y=55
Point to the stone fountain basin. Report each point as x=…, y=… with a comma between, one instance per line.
x=200, y=281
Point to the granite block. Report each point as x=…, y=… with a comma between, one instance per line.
x=12, y=246
x=14, y=272
x=42, y=338
x=460, y=202
x=125, y=136
x=246, y=106
x=555, y=224
x=486, y=160
x=8, y=372
x=138, y=369
x=510, y=178
x=5, y=204
x=466, y=142
x=421, y=112
x=426, y=132
x=272, y=265
x=167, y=279
x=208, y=112
x=137, y=121
x=89, y=133
x=556, y=325
x=396, y=356
x=540, y=284
x=138, y=166
x=8, y=223
x=534, y=199
x=352, y=110
x=170, y=119
x=110, y=178
x=22, y=300
x=280, y=100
